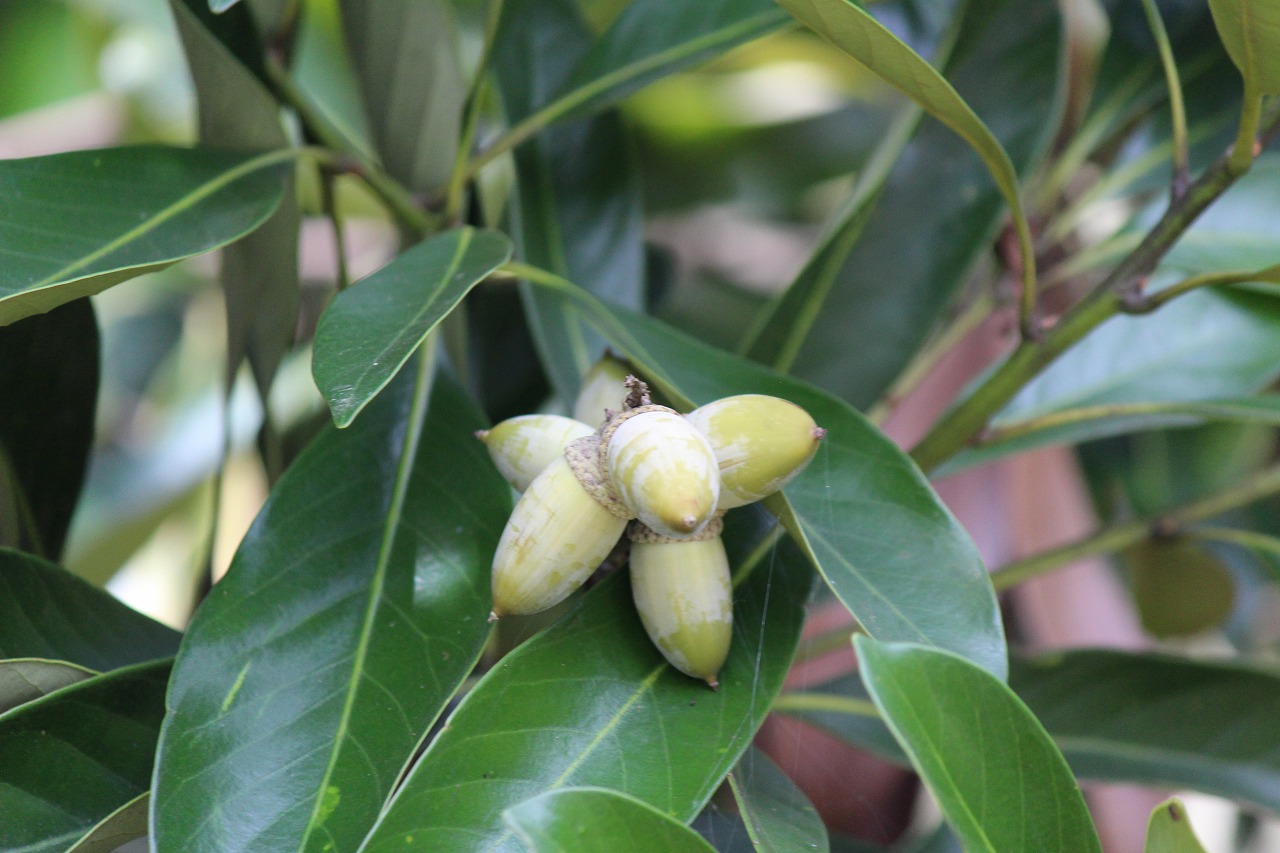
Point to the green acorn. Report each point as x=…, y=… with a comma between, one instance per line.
x=523, y=446
x=760, y=443
x=684, y=595
x=601, y=390
x=555, y=538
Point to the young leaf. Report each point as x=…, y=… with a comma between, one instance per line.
x=1169, y=830
x=122, y=825
x=25, y=679
x=778, y=816
x=354, y=607
x=591, y=702
x=132, y=210
x=1250, y=31
x=997, y=775
x=74, y=757
x=597, y=820
x=46, y=612
x=371, y=328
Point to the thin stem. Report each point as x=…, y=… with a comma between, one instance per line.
x=1250, y=539
x=1120, y=536
x=1245, y=147
x=1151, y=302
x=329, y=200
x=1083, y=414
x=1178, y=114
x=835, y=640
x=829, y=702
x=459, y=177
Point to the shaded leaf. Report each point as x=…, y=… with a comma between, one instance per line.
x=25, y=679
x=994, y=770
x=591, y=702
x=122, y=825
x=74, y=757
x=49, y=386
x=354, y=607
x=370, y=329
x=75, y=224
x=597, y=820
x=47, y=612
x=778, y=816
x=1250, y=30
x=1180, y=587
x=1169, y=830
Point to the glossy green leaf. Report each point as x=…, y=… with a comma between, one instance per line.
x=1250, y=30
x=1169, y=830
x=131, y=210
x=415, y=125
x=938, y=212
x=259, y=272
x=25, y=679
x=597, y=820
x=49, y=386
x=46, y=612
x=577, y=207
x=871, y=523
x=591, y=702
x=994, y=770
x=778, y=816
x=122, y=825
x=74, y=757
x=371, y=328
x=353, y=609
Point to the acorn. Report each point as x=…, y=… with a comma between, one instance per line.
x=555, y=538
x=600, y=391
x=684, y=595
x=522, y=447
x=662, y=469
x=760, y=443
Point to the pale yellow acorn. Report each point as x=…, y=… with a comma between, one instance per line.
x=684, y=597
x=555, y=538
x=662, y=469
x=601, y=390
x=522, y=447
x=760, y=443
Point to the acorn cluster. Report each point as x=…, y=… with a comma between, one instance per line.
x=662, y=478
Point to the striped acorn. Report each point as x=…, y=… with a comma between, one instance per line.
x=760, y=443
x=601, y=390
x=555, y=538
x=662, y=469
x=684, y=596
x=524, y=446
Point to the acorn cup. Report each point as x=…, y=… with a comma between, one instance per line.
x=684, y=595
x=522, y=447
x=760, y=443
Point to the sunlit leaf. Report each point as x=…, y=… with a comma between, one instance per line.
x=597, y=820
x=1169, y=830
x=1250, y=30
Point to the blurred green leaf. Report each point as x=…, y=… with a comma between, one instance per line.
x=406, y=57
x=49, y=386
x=74, y=757
x=352, y=611
x=590, y=701
x=1250, y=30
x=25, y=679
x=370, y=329
x=1238, y=232
x=778, y=816
x=1169, y=830
x=994, y=770
x=597, y=820
x=1180, y=587
x=122, y=825
x=46, y=612
x=129, y=211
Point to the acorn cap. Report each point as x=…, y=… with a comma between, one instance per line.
x=662, y=469
x=555, y=538
x=760, y=443
x=522, y=447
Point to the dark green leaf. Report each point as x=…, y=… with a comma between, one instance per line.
x=873, y=526
x=49, y=386
x=25, y=679
x=996, y=774
x=46, y=612
x=371, y=328
x=406, y=57
x=1169, y=830
x=590, y=701
x=122, y=825
x=597, y=820
x=938, y=212
x=353, y=609
x=778, y=815
x=130, y=210
x=74, y=757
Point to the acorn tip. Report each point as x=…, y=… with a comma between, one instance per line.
x=819, y=433
x=713, y=681
x=493, y=616
x=482, y=434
